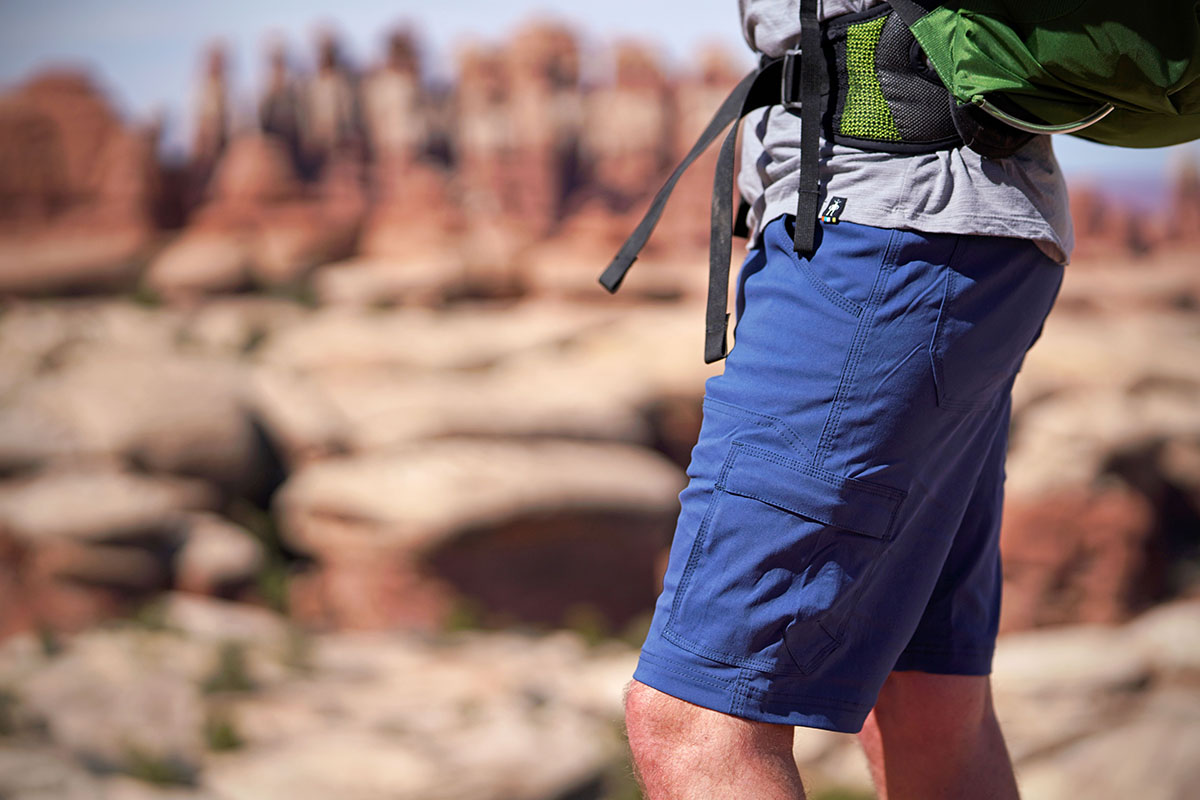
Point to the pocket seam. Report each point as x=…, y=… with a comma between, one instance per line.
x=825, y=290
x=763, y=421
x=832, y=478
x=887, y=265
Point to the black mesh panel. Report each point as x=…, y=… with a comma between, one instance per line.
x=917, y=98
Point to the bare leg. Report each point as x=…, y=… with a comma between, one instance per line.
x=685, y=752
x=935, y=737
x=872, y=744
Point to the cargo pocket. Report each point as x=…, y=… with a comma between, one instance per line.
x=778, y=562
x=990, y=315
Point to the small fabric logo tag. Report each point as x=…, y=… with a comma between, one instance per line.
x=833, y=210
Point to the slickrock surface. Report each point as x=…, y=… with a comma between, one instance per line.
x=523, y=531
x=218, y=701
x=215, y=700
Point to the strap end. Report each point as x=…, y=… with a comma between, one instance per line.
x=715, y=342
x=615, y=273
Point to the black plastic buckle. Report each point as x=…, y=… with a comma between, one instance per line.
x=789, y=89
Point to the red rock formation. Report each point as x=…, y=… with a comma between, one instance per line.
x=210, y=133
x=79, y=546
x=332, y=124
x=262, y=225
x=78, y=190
x=483, y=126
x=627, y=128
x=1076, y=555
x=545, y=111
x=412, y=214
x=279, y=111
x=1184, y=226
x=1108, y=230
x=394, y=113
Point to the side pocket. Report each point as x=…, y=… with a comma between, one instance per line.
x=778, y=562
x=991, y=312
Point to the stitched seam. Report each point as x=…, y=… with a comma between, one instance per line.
x=838, y=299
x=856, y=350
x=819, y=702
x=684, y=672
x=724, y=658
x=737, y=703
x=741, y=690
x=939, y=338
x=762, y=420
x=818, y=656
x=701, y=534
x=774, y=503
x=886, y=492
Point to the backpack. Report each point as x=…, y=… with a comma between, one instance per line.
x=1004, y=70
x=1112, y=71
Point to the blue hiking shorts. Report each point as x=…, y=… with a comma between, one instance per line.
x=843, y=511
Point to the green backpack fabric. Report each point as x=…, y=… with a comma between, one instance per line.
x=1061, y=61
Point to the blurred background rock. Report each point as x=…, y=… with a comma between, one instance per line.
x=328, y=470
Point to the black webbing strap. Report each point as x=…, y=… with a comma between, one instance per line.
x=908, y=10
x=760, y=88
x=766, y=90
x=732, y=109
x=812, y=76
x=720, y=247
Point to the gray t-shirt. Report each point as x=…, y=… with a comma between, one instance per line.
x=949, y=191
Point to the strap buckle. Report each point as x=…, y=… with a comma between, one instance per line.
x=789, y=88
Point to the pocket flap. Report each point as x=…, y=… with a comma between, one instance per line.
x=809, y=492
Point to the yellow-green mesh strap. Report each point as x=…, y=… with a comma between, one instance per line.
x=866, y=114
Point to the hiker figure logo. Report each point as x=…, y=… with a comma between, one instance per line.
x=833, y=210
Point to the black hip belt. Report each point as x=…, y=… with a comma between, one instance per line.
x=868, y=86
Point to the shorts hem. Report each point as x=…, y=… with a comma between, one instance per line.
x=737, y=698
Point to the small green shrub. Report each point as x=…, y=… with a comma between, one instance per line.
x=145, y=297
x=158, y=770
x=298, y=650
x=273, y=585
x=230, y=673
x=587, y=621
x=49, y=641
x=274, y=578
x=221, y=734
x=151, y=615
x=464, y=616
x=8, y=712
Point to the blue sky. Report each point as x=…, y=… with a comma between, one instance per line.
x=146, y=51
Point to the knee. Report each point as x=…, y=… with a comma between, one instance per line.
x=664, y=729
x=652, y=722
